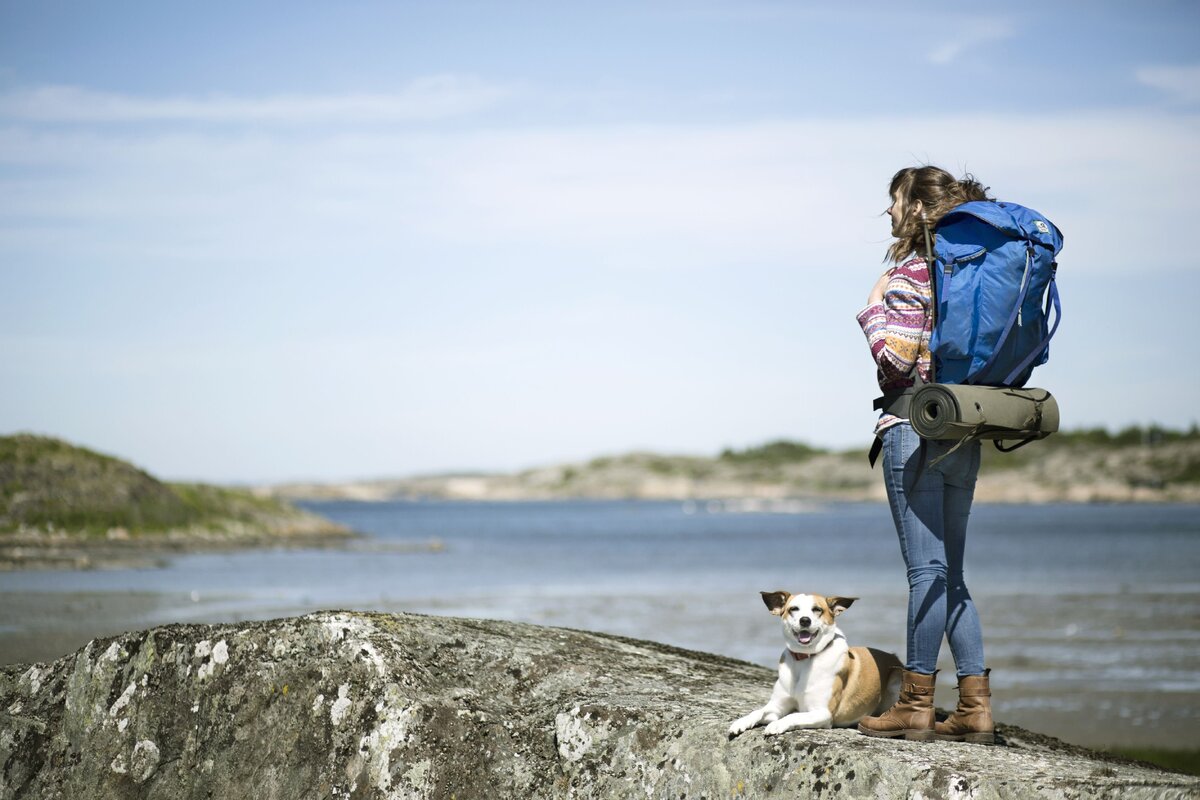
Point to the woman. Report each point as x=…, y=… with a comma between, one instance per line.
x=930, y=503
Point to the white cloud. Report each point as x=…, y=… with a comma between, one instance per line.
x=460, y=290
x=659, y=195
x=1181, y=84
x=954, y=42
x=432, y=97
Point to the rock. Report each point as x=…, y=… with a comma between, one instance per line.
x=355, y=705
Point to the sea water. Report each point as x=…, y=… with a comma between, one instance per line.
x=1091, y=613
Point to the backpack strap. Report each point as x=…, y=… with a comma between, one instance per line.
x=876, y=449
x=1016, y=312
x=931, y=268
x=1051, y=298
x=896, y=403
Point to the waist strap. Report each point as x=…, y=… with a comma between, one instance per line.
x=895, y=403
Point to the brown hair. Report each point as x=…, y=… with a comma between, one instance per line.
x=938, y=191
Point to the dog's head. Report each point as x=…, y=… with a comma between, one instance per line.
x=808, y=619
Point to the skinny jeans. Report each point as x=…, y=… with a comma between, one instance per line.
x=930, y=506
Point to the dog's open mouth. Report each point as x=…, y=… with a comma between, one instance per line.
x=804, y=637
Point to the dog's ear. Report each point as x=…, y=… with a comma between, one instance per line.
x=776, y=601
x=839, y=604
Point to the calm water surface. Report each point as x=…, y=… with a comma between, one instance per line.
x=1091, y=613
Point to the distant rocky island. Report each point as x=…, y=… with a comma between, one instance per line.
x=1134, y=465
x=66, y=506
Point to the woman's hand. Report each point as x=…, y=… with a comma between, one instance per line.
x=876, y=295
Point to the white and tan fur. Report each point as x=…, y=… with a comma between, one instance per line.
x=823, y=682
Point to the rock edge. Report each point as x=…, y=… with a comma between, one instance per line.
x=359, y=705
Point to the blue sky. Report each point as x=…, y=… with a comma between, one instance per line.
x=269, y=241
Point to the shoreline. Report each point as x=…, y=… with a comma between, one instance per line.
x=754, y=498
x=35, y=550
x=42, y=550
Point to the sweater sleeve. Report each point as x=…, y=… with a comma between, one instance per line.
x=895, y=327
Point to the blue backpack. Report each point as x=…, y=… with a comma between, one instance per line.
x=995, y=267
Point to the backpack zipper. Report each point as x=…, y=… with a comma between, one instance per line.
x=954, y=262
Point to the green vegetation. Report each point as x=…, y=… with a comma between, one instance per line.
x=1096, y=440
x=659, y=465
x=48, y=484
x=1179, y=760
x=1164, y=455
x=1128, y=437
x=207, y=503
x=1075, y=465
x=784, y=451
x=774, y=453
x=685, y=466
x=1158, y=468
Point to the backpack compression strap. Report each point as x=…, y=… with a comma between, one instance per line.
x=1052, y=298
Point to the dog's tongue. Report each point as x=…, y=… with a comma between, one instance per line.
x=805, y=637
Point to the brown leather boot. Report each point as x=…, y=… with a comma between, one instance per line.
x=911, y=716
x=972, y=720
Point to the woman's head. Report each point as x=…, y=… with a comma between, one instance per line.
x=925, y=190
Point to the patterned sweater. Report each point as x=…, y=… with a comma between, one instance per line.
x=898, y=330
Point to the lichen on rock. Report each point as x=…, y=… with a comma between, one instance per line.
x=357, y=705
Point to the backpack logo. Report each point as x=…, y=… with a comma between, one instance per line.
x=1041, y=226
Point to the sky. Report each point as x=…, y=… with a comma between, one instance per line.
x=259, y=242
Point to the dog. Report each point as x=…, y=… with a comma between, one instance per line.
x=823, y=682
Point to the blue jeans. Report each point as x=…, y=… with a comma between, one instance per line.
x=930, y=506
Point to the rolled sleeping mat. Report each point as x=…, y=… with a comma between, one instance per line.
x=953, y=411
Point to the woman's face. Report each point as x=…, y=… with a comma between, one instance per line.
x=898, y=209
x=896, y=212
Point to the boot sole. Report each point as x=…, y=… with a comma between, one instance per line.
x=910, y=734
x=970, y=738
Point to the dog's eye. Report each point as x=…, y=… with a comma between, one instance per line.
x=816, y=610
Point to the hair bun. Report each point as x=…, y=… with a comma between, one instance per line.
x=973, y=189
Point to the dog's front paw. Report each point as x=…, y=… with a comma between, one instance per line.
x=744, y=724
x=777, y=727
